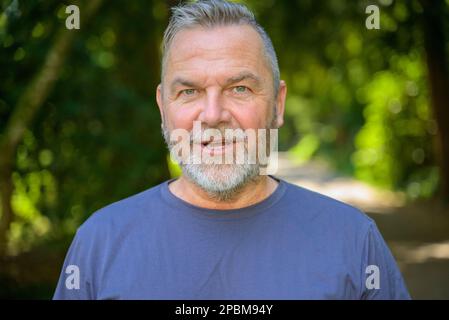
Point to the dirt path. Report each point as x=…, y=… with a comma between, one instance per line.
x=417, y=234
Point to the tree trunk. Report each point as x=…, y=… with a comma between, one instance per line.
x=26, y=109
x=437, y=65
x=6, y=188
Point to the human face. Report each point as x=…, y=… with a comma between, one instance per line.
x=221, y=77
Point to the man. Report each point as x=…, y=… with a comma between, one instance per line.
x=223, y=230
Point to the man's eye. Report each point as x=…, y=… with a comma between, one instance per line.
x=188, y=92
x=240, y=89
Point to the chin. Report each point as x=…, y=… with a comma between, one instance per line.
x=218, y=178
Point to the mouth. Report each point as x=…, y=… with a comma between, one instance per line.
x=218, y=147
x=216, y=144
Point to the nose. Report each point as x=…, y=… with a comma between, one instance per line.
x=214, y=111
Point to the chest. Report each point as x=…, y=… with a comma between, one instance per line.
x=239, y=270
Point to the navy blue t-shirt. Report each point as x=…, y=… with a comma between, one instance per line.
x=295, y=244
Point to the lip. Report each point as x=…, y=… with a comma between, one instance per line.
x=218, y=148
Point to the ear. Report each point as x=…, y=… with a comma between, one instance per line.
x=159, y=101
x=280, y=103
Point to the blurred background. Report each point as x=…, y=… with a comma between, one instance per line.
x=367, y=122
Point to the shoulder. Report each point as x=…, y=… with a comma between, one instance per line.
x=324, y=209
x=122, y=213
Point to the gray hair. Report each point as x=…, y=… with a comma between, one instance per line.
x=212, y=13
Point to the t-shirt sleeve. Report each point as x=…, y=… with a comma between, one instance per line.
x=75, y=281
x=382, y=279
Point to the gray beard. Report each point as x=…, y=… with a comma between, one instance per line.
x=222, y=182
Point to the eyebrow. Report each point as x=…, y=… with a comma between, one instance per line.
x=182, y=82
x=235, y=79
x=244, y=76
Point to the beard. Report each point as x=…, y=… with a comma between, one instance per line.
x=223, y=181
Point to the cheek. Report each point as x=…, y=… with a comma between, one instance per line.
x=179, y=118
x=252, y=116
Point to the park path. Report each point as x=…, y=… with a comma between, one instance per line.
x=417, y=233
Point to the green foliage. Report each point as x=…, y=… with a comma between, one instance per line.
x=392, y=146
x=173, y=167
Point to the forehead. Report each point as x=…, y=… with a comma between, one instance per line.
x=224, y=49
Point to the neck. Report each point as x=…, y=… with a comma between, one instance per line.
x=252, y=193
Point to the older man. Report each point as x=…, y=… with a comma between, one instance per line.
x=224, y=230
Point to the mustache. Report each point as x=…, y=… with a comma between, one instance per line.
x=222, y=134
